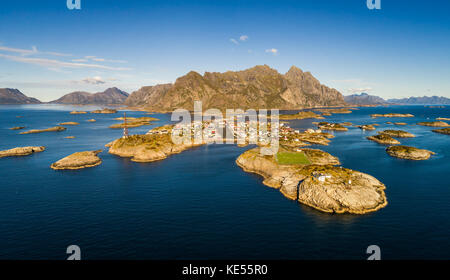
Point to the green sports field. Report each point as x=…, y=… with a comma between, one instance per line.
x=292, y=158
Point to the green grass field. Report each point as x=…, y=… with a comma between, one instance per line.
x=292, y=158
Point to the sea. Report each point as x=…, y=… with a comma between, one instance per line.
x=200, y=205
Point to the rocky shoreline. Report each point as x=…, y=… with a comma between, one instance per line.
x=320, y=185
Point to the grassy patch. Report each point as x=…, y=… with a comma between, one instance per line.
x=292, y=158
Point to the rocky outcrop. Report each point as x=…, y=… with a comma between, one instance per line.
x=301, y=116
x=434, y=124
x=78, y=161
x=14, y=96
x=367, y=127
x=17, y=128
x=442, y=130
x=133, y=122
x=331, y=126
x=257, y=88
x=392, y=115
x=51, y=129
x=69, y=123
x=411, y=153
x=319, y=185
x=104, y=111
x=149, y=147
x=397, y=133
x=384, y=139
x=443, y=119
x=21, y=151
x=78, y=112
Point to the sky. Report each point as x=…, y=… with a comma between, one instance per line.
x=400, y=50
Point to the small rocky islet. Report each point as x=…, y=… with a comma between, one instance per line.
x=104, y=111
x=411, y=153
x=17, y=128
x=133, y=122
x=51, y=129
x=69, y=123
x=78, y=160
x=442, y=130
x=300, y=116
x=392, y=115
x=21, y=151
x=367, y=127
x=397, y=133
x=434, y=124
x=331, y=126
x=384, y=139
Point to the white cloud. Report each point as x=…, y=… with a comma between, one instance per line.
x=358, y=90
x=21, y=51
x=273, y=51
x=243, y=38
x=52, y=63
x=33, y=51
x=234, y=41
x=97, y=80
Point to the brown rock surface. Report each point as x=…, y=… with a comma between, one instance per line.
x=78, y=161
x=21, y=151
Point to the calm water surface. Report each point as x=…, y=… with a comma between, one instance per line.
x=200, y=204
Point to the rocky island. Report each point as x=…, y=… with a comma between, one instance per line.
x=78, y=161
x=104, y=111
x=78, y=112
x=134, y=122
x=21, y=151
x=434, y=124
x=51, y=129
x=69, y=123
x=331, y=126
x=411, y=153
x=367, y=127
x=442, y=130
x=384, y=139
x=392, y=115
x=301, y=116
x=397, y=133
x=317, y=182
x=17, y=127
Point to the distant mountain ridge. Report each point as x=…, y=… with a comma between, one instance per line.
x=424, y=100
x=257, y=87
x=110, y=96
x=15, y=96
x=364, y=99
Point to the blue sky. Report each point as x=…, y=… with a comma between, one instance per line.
x=47, y=50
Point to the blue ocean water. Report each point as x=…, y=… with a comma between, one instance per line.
x=200, y=205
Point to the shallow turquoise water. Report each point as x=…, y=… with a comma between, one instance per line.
x=199, y=204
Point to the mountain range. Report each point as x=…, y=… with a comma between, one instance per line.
x=257, y=87
x=14, y=96
x=425, y=100
x=364, y=99
x=109, y=96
